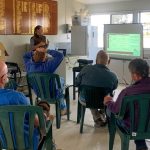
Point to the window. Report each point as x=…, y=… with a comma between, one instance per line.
x=99, y=21
x=121, y=18
x=145, y=20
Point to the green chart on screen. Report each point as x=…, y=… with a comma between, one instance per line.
x=124, y=44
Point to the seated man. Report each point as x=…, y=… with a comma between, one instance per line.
x=98, y=75
x=37, y=61
x=12, y=97
x=139, y=70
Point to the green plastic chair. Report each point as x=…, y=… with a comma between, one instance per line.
x=17, y=113
x=139, y=128
x=45, y=84
x=94, y=99
x=11, y=84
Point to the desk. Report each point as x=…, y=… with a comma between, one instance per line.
x=75, y=69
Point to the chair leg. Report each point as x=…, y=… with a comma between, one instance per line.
x=83, y=108
x=48, y=143
x=112, y=130
x=67, y=102
x=125, y=142
x=58, y=115
x=78, y=112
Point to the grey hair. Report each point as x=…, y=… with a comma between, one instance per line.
x=140, y=67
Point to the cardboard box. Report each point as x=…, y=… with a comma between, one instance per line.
x=3, y=52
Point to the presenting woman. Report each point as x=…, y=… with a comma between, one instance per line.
x=38, y=39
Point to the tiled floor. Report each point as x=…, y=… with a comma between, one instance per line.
x=69, y=138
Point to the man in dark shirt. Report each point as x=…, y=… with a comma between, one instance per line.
x=139, y=70
x=97, y=75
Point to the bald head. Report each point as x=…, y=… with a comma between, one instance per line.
x=102, y=58
x=3, y=74
x=3, y=68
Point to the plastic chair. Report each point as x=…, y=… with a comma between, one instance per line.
x=94, y=99
x=13, y=69
x=11, y=84
x=139, y=120
x=45, y=85
x=14, y=125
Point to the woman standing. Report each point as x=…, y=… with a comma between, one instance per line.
x=38, y=39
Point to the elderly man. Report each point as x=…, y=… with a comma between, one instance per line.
x=98, y=75
x=37, y=61
x=12, y=97
x=139, y=70
x=9, y=97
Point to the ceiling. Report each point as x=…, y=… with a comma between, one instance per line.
x=100, y=1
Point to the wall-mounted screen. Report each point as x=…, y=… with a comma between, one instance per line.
x=122, y=42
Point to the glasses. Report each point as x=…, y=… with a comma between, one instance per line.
x=43, y=46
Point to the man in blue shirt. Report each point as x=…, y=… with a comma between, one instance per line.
x=11, y=97
x=38, y=61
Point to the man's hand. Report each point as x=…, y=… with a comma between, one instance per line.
x=41, y=49
x=107, y=99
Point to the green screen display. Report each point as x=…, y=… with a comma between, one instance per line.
x=124, y=44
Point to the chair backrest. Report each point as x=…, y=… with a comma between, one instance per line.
x=44, y=85
x=18, y=121
x=94, y=96
x=11, y=84
x=138, y=107
x=13, y=68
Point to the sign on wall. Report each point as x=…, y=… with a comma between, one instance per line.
x=21, y=16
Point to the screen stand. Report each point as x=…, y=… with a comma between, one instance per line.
x=123, y=78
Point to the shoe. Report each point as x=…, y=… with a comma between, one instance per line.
x=100, y=123
x=143, y=149
x=103, y=116
x=63, y=112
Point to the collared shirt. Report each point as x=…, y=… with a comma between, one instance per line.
x=97, y=75
x=48, y=66
x=140, y=87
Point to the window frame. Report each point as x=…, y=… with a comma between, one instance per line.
x=146, y=50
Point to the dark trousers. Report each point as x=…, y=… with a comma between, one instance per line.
x=140, y=144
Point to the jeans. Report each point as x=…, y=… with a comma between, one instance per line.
x=60, y=94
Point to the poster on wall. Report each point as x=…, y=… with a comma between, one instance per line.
x=21, y=16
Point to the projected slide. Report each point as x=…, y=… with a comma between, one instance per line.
x=124, y=44
x=123, y=41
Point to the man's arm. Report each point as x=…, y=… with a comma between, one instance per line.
x=28, y=59
x=114, y=106
x=53, y=63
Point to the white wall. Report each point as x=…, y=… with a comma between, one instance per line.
x=16, y=44
x=119, y=6
x=119, y=66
